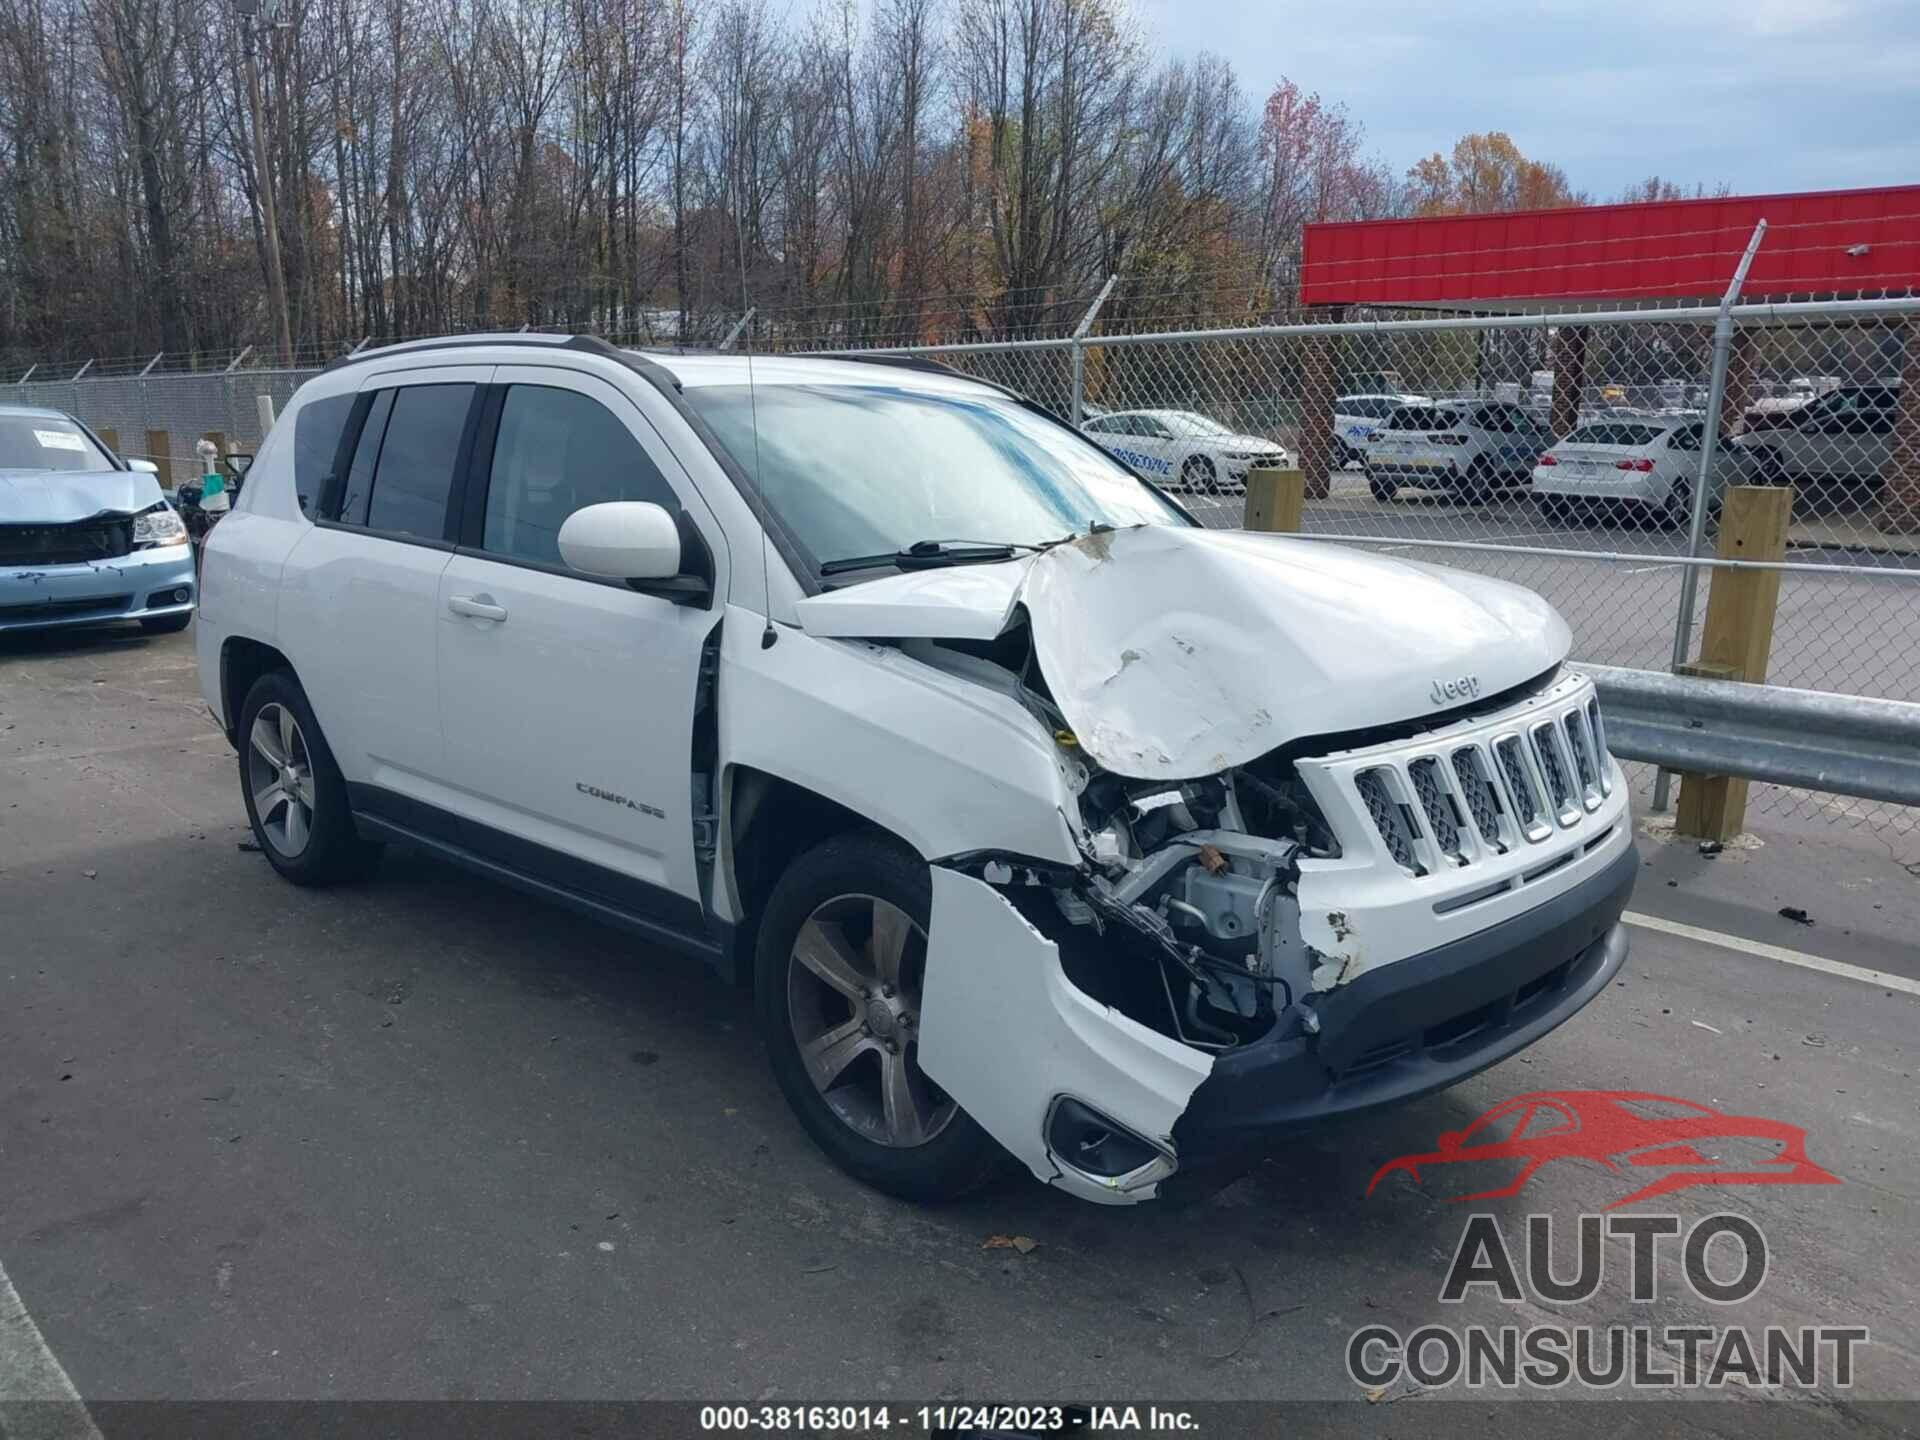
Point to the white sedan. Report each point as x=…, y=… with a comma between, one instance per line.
x=1183, y=450
x=1648, y=463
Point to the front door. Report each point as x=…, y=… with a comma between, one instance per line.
x=567, y=701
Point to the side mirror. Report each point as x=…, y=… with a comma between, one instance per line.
x=239, y=463
x=641, y=543
x=145, y=467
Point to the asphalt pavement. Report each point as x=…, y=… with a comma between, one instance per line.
x=425, y=1138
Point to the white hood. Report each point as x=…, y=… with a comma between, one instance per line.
x=1176, y=653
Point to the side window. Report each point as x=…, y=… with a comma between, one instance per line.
x=316, y=443
x=559, y=451
x=417, y=459
x=359, y=486
x=1687, y=437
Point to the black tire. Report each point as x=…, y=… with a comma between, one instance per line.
x=1382, y=488
x=167, y=624
x=960, y=1156
x=1677, y=513
x=1551, y=508
x=334, y=849
x=1476, y=486
x=1199, y=476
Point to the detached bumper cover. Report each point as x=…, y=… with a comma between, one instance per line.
x=1419, y=1024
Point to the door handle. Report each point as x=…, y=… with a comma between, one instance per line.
x=477, y=606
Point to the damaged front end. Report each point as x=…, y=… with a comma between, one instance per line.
x=1179, y=930
x=1287, y=902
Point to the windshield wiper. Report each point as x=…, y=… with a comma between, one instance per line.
x=926, y=554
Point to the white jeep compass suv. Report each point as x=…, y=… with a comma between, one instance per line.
x=1038, y=819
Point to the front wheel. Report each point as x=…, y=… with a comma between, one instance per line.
x=1383, y=488
x=1199, y=477
x=838, y=974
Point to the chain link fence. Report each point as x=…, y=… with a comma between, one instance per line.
x=1571, y=453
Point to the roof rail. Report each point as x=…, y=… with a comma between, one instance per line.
x=448, y=342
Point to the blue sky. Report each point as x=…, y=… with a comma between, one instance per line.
x=1765, y=95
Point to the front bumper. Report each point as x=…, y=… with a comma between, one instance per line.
x=141, y=586
x=1417, y=1025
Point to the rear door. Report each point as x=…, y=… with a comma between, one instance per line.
x=567, y=700
x=358, y=594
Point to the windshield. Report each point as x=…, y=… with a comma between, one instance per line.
x=47, y=442
x=870, y=469
x=1195, y=424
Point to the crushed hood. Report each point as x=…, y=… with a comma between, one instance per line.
x=1176, y=653
x=58, y=497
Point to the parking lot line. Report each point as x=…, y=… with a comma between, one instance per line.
x=1765, y=951
x=37, y=1400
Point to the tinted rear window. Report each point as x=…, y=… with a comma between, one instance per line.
x=1615, y=434
x=316, y=441
x=1422, y=417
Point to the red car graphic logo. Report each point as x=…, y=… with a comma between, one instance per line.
x=1625, y=1131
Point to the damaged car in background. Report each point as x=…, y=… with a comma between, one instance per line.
x=1040, y=820
x=85, y=536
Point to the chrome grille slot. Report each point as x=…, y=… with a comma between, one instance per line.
x=1600, y=744
x=1391, y=819
x=1575, y=725
x=1553, y=769
x=1443, y=816
x=1526, y=800
x=1483, y=796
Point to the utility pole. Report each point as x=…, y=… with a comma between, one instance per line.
x=251, y=11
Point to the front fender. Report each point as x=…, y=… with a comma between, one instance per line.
x=946, y=764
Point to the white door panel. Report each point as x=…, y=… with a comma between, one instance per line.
x=568, y=713
x=357, y=620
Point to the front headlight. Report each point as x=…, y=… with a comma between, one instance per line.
x=158, y=526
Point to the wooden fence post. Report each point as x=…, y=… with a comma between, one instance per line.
x=109, y=436
x=1738, y=639
x=160, y=451
x=1275, y=500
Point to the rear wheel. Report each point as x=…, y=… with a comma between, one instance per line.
x=1677, y=513
x=838, y=971
x=295, y=796
x=1199, y=476
x=1476, y=486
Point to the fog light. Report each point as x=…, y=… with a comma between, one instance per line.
x=1081, y=1137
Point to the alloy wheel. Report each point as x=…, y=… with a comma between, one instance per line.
x=853, y=1002
x=280, y=775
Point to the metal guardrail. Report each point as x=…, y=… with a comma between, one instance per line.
x=1812, y=739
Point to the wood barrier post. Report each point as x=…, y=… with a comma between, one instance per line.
x=1738, y=639
x=1276, y=500
x=109, y=436
x=160, y=451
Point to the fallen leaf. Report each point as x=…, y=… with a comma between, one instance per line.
x=1025, y=1244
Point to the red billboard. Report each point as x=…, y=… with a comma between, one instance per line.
x=1831, y=242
